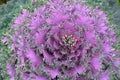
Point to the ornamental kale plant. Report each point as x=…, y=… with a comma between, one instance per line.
x=63, y=40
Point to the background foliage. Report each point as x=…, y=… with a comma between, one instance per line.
x=3, y=1
x=8, y=11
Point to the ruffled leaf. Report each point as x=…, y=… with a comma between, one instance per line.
x=40, y=37
x=34, y=59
